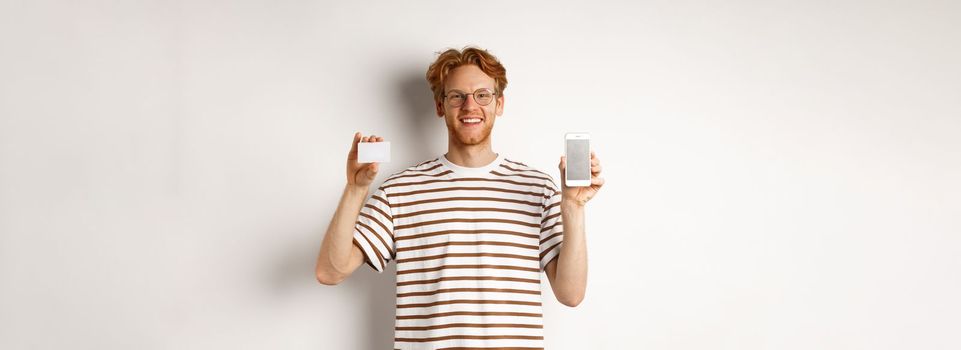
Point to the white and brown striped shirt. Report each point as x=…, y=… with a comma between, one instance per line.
x=470, y=245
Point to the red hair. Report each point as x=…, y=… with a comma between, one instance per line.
x=448, y=60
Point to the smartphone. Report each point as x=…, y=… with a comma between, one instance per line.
x=578, y=150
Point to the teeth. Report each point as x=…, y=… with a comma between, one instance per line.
x=471, y=120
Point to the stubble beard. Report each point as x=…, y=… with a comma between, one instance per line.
x=472, y=139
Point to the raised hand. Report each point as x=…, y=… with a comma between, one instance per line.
x=581, y=195
x=361, y=174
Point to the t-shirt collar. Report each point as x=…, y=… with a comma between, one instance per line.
x=472, y=172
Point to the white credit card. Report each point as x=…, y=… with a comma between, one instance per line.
x=373, y=152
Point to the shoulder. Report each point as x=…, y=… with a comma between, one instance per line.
x=426, y=168
x=512, y=167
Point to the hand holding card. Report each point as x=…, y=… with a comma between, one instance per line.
x=373, y=152
x=366, y=152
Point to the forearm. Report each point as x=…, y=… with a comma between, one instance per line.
x=334, y=257
x=572, y=260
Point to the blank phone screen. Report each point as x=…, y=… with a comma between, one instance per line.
x=578, y=160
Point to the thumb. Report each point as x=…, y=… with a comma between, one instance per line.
x=563, y=165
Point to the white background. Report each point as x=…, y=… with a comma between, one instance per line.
x=781, y=174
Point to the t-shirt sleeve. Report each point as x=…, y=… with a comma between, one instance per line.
x=374, y=231
x=552, y=229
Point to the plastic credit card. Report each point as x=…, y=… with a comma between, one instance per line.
x=373, y=152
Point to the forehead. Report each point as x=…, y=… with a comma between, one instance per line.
x=468, y=78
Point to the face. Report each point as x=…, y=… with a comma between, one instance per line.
x=471, y=123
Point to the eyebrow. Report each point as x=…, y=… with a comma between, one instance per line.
x=461, y=90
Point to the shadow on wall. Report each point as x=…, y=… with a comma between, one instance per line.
x=422, y=124
x=381, y=289
x=376, y=293
x=381, y=292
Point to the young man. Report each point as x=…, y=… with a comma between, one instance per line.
x=470, y=230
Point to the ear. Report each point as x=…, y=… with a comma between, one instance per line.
x=439, y=106
x=500, y=106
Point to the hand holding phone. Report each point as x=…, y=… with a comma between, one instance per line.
x=578, y=151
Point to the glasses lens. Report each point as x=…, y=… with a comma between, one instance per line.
x=483, y=96
x=455, y=98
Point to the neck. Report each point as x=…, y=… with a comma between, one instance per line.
x=471, y=156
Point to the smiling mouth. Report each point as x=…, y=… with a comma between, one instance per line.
x=471, y=120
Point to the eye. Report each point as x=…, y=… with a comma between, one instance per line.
x=483, y=95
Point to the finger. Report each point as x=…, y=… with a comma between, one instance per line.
x=353, y=146
x=597, y=181
x=595, y=170
x=372, y=138
x=372, y=169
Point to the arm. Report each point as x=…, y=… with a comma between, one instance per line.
x=568, y=272
x=338, y=256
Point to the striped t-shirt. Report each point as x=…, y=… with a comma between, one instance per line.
x=470, y=245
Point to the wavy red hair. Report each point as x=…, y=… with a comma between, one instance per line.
x=448, y=60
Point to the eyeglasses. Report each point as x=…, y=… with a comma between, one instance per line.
x=483, y=97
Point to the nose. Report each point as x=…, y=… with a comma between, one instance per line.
x=469, y=103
